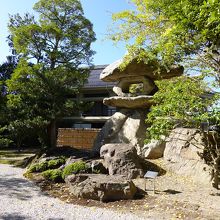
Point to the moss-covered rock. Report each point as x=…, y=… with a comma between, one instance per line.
x=53, y=175
x=74, y=168
x=47, y=165
x=53, y=164
x=39, y=167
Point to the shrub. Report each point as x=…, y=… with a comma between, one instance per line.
x=39, y=167
x=53, y=164
x=74, y=168
x=53, y=175
x=4, y=142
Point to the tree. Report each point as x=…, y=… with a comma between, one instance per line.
x=53, y=52
x=6, y=70
x=172, y=31
x=179, y=102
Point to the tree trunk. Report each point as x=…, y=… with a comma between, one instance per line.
x=19, y=141
x=52, y=134
x=216, y=173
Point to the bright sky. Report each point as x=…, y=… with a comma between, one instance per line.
x=97, y=11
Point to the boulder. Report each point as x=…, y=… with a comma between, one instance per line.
x=154, y=149
x=127, y=126
x=97, y=166
x=134, y=130
x=113, y=72
x=101, y=187
x=109, y=131
x=184, y=143
x=141, y=101
x=182, y=154
x=122, y=159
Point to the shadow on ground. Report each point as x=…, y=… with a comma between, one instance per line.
x=171, y=191
x=17, y=188
x=13, y=216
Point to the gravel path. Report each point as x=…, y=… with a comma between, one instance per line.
x=21, y=199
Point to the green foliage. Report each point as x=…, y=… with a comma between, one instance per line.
x=172, y=31
x=52, y=164
x=74, y=168
x=43, y=166
x=39, y=167
x=53, y=175
x=136, y=89
x=4, y=140
x=179, y=102
x=6, y=70
x=58, y=44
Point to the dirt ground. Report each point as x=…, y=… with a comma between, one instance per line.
x=175, y=198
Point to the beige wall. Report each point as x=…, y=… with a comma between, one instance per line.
x=77, y=138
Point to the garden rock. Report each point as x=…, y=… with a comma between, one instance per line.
x=101, y=187
x=122, y=159
x=127, y=126
x=154, y=149
x=182, y=154
x=97, y=166
x=184, y=142
x=109, y=131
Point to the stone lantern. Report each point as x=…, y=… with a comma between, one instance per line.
x=128, y=124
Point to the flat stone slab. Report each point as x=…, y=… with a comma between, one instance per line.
x=113, y=73
x=143, y=101
x=101, y=187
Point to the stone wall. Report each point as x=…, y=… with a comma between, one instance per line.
x=77, y=138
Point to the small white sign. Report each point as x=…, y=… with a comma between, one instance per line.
x=151, y=174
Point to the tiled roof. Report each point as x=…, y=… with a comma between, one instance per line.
x=94, y=80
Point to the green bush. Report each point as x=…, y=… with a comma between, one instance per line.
x=4, y=142
x=74, y=168
x=53, y=164
x=39, y=167
x=47, y=165
x=53, y=175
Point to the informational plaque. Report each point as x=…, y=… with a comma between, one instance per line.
x=151, y=174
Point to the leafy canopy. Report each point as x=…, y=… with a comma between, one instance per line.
x=53, y=52
x=181, y=101
x=172, y=31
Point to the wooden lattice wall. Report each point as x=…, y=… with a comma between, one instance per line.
x=77, y=138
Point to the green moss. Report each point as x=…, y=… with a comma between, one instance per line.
x=74, y=168
x=53, y=164
x=53, y=175
x=47, y=165
x=39, y=167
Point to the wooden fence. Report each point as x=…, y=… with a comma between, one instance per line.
x=77, y=138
